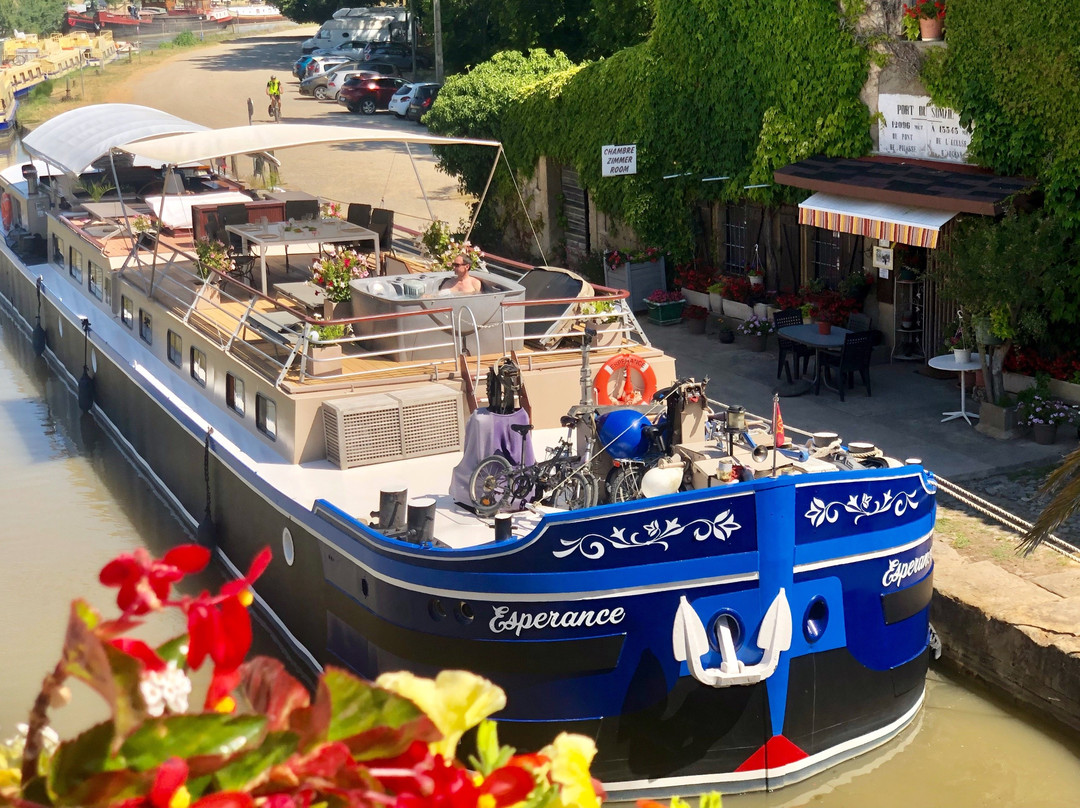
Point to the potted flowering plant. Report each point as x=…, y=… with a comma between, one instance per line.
x=665, y=308
x=332, y=274
x=735, y=292
x=258, y=737
x=923, y=18
x=142, y=224
x=959, y=342
x=756, y=330
x=637, y=271
x=695, y=318
x=694, y=279
x=212, y=255
x=1044, y=415
x=604, y=319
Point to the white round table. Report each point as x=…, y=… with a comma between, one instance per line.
x=948, y=362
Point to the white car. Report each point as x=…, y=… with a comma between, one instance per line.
x=399, y=104
x=337, y=79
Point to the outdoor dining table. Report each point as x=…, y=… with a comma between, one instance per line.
x=948, y=362
x=324, y=231
x=809, y=335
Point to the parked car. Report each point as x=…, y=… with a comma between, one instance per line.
x=323, y=64
x=353, y=48
x=367, y=95
x=383, y=68
x=423, y=96
x=399, y=104
x=339, y=77
x=316, y=85
x=396, y=53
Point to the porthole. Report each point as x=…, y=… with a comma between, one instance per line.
x=464, y=613
x=93, y=360
x=436, y=609
x=730, y=621
x=816, y=619
x=363, y=586
x=287, y=548
x=60, y=325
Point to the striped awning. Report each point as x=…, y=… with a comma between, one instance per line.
x=905, y=224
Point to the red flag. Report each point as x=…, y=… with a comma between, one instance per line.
x=777, y=423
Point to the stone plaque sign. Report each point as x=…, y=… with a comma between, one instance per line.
x=913, y=127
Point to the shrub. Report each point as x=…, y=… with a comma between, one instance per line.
x=695, y=313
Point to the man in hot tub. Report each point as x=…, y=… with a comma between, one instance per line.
x=462, y=283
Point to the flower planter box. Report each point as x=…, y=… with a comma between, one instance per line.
x=696, y=298
x=764, y=311
x=665, y=313
x=716, y=303
x=1066, y=391
x=997, y=422
x=607, y=334
x=638, y=279
x=740, y=311
x=323, y=360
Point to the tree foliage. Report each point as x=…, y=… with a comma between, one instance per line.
x=32, y=16
x=722, y=88
x=1012, y=70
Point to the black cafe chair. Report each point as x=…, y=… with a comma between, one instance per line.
x=382, y=222
x=358, y=214
x=787, y=347
x=853, y=357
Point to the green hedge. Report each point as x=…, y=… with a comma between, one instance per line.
x=1012, y=70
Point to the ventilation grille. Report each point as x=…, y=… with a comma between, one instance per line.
x=377, y=428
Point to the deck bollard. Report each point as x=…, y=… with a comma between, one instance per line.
x=421, y=520
x=392, y=510
x=504, y=524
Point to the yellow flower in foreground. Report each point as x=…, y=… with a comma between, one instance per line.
x=570, y=757
x=455, y=701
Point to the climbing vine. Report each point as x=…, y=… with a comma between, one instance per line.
x=1012, y=70
x=722, y=88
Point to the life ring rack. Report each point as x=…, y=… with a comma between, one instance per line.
x=629, y=394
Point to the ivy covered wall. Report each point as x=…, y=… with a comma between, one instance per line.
x=1013, y=71
x=731, y=88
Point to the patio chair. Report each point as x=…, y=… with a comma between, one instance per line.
x=233, y=213
x=382, y=222
x=854, y=356
x=359, y=214
x=858, y=322
x=798, y=351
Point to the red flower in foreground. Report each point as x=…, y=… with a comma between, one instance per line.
x=144, y=582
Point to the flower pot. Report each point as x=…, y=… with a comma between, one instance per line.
x=716, y=303
x=727, y=336
x=665, y=313
x=696, y=298
x=757, y=342
x=1044, y=434
x=982, y=332
x=756, y=281
x=931, y=29
x=823, y=327
x=323, y=360
x=696, y=326
x=962, y=355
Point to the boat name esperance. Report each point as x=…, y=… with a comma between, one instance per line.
x=897, y=572
x=505, y=620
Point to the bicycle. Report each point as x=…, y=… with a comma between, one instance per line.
x=275, y=108
x=563, y=480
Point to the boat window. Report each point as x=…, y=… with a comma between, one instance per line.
x=146, y=327
x=198, y=366
x=57, y=250
x=95, y=280
x=266, y=416
x=234, y=393
x=75, y=264
x=175, y=348
x=127, y=311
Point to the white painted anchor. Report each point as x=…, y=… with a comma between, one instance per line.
x=690, y=643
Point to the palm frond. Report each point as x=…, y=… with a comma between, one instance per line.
x=1063, y=485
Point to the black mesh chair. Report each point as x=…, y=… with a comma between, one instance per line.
x=382, y=222
x=797, y=350
x=854, y=356
x=234, y=213
x=299, y=209
x=359, y=214
x=858, y=322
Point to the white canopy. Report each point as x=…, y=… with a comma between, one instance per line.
x=210, y=144
x=74, y=140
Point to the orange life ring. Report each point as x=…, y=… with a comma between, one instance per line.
x=629, y=394
x=5, y=210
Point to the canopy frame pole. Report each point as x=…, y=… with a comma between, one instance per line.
x=419, y=182
x=120, y=196
x=521, y=199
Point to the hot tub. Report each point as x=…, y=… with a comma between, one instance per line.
x=475, y=314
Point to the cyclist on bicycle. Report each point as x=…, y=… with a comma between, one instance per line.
x=273, y=89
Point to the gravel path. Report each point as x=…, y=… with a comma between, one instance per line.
x=211, y=86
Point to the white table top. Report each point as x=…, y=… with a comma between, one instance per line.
x=175, y=211
x=948, y=362
x=808, y=334
x=308, y=231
